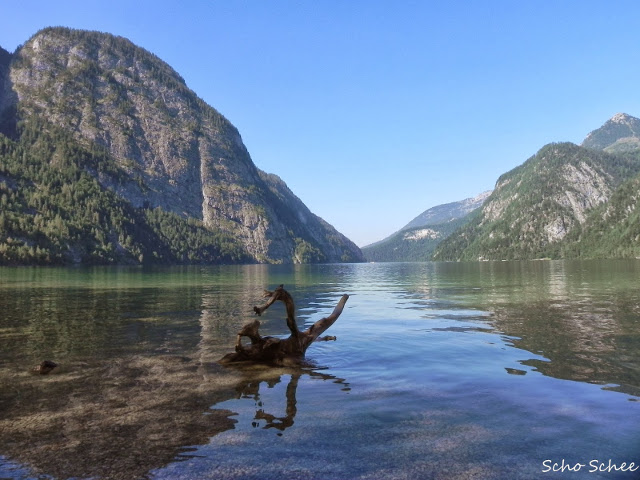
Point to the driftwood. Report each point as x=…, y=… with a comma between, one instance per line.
x=278, y=351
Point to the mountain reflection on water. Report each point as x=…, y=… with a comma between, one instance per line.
x=440, y=370
x=586, y=326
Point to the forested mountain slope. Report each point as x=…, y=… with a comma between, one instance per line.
x=93, y=112
x=561, y=203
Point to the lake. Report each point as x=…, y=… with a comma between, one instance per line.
x=495, y=370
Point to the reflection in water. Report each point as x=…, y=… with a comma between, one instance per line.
x=252, y=390
x=270, y=378
x=137, y=383
x=460, y=371
x=132, y=416
x=117, y=419
x=578, y=343
x=585, y=325
x=580, y=317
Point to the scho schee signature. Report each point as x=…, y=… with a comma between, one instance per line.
x=593, y=466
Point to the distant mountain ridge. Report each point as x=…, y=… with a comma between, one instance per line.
x=417, y=240
x=448, y=211
x=144, y=136
x=414, y=244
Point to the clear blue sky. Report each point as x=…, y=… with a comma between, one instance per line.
x=373, y=111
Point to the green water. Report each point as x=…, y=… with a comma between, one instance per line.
x=479, y=370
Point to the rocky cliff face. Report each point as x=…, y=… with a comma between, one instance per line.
x=7, y=97
x=612, y=229
x=564, y=175
x=170, y=149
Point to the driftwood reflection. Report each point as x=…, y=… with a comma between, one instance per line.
x=263, y=418
x=252, y=390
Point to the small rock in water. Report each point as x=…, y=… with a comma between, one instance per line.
x=45, y=367
x=327, y=338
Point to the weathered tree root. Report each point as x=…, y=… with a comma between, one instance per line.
x=277, y=351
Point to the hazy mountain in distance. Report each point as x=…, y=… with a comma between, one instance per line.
x=448, y=211
x=417, y=240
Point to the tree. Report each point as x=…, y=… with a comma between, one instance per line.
x=289, y=351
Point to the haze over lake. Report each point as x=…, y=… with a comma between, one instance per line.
x=440, y=370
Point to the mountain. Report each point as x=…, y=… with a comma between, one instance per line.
x=563, y=202
x=94, y=108
x=417, y=240
x=619, y=134
x=447, y=212
x=6, y=98
x=611, y=230
x=415, y=244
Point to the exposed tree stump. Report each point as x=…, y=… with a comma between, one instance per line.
x=278, y=351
